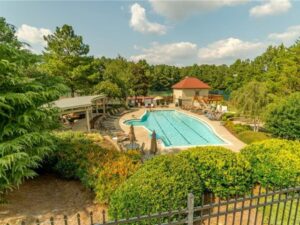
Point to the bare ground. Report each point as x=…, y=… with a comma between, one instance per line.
x=49, y=196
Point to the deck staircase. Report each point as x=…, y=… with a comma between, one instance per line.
x=201, y=101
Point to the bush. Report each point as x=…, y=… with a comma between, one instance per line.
x=283, y=119
x=223, y=171
x=160, y=184
x=88, y=158
x=236, y=128
x=113, y=174
x=250, y=136
x=275, y=163
x=228, y=116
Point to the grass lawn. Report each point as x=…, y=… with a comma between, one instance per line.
x=249, y=137
x=284, y=210
x=245, y=133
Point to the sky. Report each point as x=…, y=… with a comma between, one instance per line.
x=170, y=32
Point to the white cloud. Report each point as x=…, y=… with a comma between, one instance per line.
x=32, y=35
x=178, y=9
x=288, y=37
x=228, y=50
x=173, y=53
x=140, y=23
x=271, y=7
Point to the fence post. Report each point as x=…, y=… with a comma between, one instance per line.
x=190, y=207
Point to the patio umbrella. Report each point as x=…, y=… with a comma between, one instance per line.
x=131, y=135
x=153, y=147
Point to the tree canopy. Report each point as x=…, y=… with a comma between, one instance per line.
x=25, y=117
x=66, y=56
x=251, y=99
x=283, y=118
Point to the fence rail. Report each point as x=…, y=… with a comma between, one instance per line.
x=261, y=207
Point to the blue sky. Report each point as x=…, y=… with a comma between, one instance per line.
x=163, y=31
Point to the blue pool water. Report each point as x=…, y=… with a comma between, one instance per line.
x=177, y=129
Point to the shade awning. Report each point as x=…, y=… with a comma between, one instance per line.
x=77, y=102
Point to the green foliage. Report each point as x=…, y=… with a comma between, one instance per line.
x=250, y=136
x=160, y=184
x=283, y=117
x=114, y=173
x=275, y=163
x=244, y=132
x=140, y=81
x=96, y=164
x=287, y=211
x=7, y=33
x=236, y=128
x=251, y=100
x=111, y=90
x=222, y=171
x=66, y=56
x=228, y=116
x=25, y=116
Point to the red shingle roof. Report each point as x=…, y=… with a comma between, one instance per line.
x=191, y=83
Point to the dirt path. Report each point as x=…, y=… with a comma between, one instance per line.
x=47, y=196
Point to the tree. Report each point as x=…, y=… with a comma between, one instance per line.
x=283, y=117
x=25, y=118
x=66, y=56
x=251, y=99
x=140, y=80
x=111, y=90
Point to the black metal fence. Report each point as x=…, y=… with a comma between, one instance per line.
x=261, y=207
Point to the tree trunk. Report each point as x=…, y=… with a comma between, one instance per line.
x=72, y=92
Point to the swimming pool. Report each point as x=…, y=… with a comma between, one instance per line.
x=177, y=129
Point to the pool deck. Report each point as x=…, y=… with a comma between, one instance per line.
x=142, y=134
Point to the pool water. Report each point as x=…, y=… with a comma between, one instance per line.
x=177, y=129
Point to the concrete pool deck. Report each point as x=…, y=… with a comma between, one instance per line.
x=142, y=134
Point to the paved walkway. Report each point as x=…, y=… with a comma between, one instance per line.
x=142, y=134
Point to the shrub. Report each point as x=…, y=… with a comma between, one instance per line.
x=250, y=136
x=223, y=171
x=283, y=119
x=275, y=163
x=113, y=174
x=236, y=128
x=160, y=184
x=88, y=158
x=228, y=116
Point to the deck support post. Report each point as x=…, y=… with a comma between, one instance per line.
x=87, y=117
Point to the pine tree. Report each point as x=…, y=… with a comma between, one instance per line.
x=25, y=116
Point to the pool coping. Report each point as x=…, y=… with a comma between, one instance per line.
x=209, y=126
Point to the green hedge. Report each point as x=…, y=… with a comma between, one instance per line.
x=88, y=158
x=162, y=183
x=275, y=163
x=222, y=171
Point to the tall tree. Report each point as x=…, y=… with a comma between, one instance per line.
x=283, y=117
x=140, y=80
x=66, y=56
x=25, y=118
x=251, y=100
